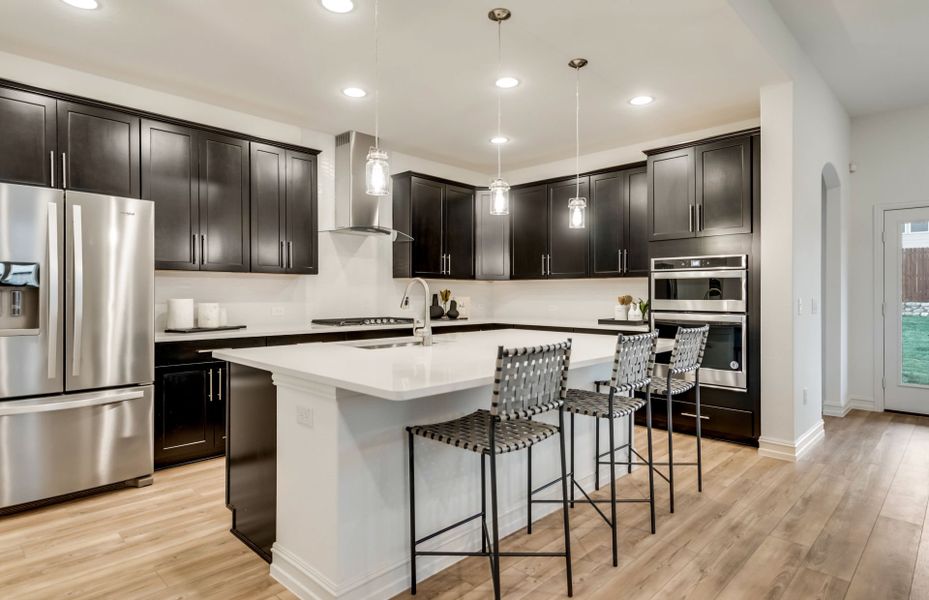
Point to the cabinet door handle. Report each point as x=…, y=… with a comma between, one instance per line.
x=64, y=169
x=448, y=270
x=210, y=395
x=193, y=247
x=548, y=269
x=280, y=255
x=690, y=217
x=202, y=246
x=290, y=254
x=543, y=264
x=620, y=257
x=219, y=383
x=625, y=261
x=693, y=416
x=699, y=209
x=51, y=162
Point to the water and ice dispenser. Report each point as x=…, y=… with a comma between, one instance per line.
x=19, y=298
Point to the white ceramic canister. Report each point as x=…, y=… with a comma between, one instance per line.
x=208, y=315
x=180, y=313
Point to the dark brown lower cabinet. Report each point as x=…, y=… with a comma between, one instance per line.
x=731, y=424
x=190, y=412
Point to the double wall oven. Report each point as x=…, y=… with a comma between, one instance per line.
x=705, y=290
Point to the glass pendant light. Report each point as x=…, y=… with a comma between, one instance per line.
x=577, y=206
x=499, y=189
x=377, y=168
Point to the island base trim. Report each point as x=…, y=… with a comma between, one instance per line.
x=307, y=583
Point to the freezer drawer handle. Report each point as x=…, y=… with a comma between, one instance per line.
x=52, y=289
x=56, y=404
x=78, y=290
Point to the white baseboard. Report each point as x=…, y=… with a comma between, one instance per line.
x=831, y=410
x=862, y=404
x=308, y=584
x=792, y=451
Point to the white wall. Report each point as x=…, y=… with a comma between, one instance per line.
x=890, y=151
x=804, y=127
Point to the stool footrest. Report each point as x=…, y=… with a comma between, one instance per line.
x=449, y=528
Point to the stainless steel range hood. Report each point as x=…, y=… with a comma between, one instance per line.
x=355, y=211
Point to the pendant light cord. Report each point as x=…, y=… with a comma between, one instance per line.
x=377, y=79
x=499, y=96
x=577, y=132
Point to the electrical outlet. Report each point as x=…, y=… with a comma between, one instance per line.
x=305, y=416
x=277, y=311
x=806, y=396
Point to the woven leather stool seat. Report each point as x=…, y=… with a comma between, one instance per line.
x=472, y=432
x=659, y=386
x=592, y=404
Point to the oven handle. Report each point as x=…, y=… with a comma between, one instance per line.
x=730, y=274
x=699, y=317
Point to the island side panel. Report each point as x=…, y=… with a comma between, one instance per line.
x=251, y=457
x=343, y=519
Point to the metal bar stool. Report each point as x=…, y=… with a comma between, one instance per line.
x=527, y=382
x=633, y=362
x=686, y=357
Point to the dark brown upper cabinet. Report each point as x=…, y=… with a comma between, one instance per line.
x=671, y=195
x=28, y=138
x=724, y=187
x=302, y=223
x=567, y=248
x=99, y=150
x=224, y=203
x=283, y=211
x=529, y=232
x=618, y=223
x=439, y=216
x=702, y=190
x=170, y=179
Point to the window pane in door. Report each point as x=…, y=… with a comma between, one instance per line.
x=914, y=318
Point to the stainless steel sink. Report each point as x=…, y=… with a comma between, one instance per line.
x=394, y=343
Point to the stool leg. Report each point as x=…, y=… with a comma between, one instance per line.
x=613, y=492
x=670, y=446
x=564, y=502
x=651, y=469
x=597, y=453
x=699, y=449
x=412, y=521
x=495, y=550
x=572, y=460
x=630, y=439
x=529, y=491
x=483, y=504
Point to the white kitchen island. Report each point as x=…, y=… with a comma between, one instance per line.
x=342, y=512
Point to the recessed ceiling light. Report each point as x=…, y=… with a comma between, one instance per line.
x=507, y=82
x=338, y=6
x=499, y=139
x=353, y=92
x=641, y=100
x=84, y=4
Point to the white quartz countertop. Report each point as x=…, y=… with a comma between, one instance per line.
x=276, y=330
x=456, y=361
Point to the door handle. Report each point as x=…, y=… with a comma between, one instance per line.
x=619, y=254
x=625, y=261
x=690, y=217
x=543, y=265
x=280, y=257
x=219, y=383
x=202, y=245
x=64, y=169
x=699, y=209
x=193, y=246
x=78, y=289
x=290, y=254
x=51, y=164
x=210, y=395
x=52, y=287
x=448, y=269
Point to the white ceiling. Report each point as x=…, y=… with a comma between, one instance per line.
x=289, y=59
x=874, y=54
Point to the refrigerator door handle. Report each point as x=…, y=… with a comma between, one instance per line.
x=59, y=403
x=52, y=289
x=78, y=289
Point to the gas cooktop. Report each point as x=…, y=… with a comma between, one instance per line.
x=349, y=321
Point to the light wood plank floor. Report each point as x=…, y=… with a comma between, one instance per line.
x=847, y=521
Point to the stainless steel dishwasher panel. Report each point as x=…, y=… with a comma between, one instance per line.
x=64, y=444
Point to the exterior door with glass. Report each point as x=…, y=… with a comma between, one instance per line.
x=906, y=310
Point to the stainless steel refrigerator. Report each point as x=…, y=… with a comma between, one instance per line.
x=76, y=342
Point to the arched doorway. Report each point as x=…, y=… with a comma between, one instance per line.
x=832, y=285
